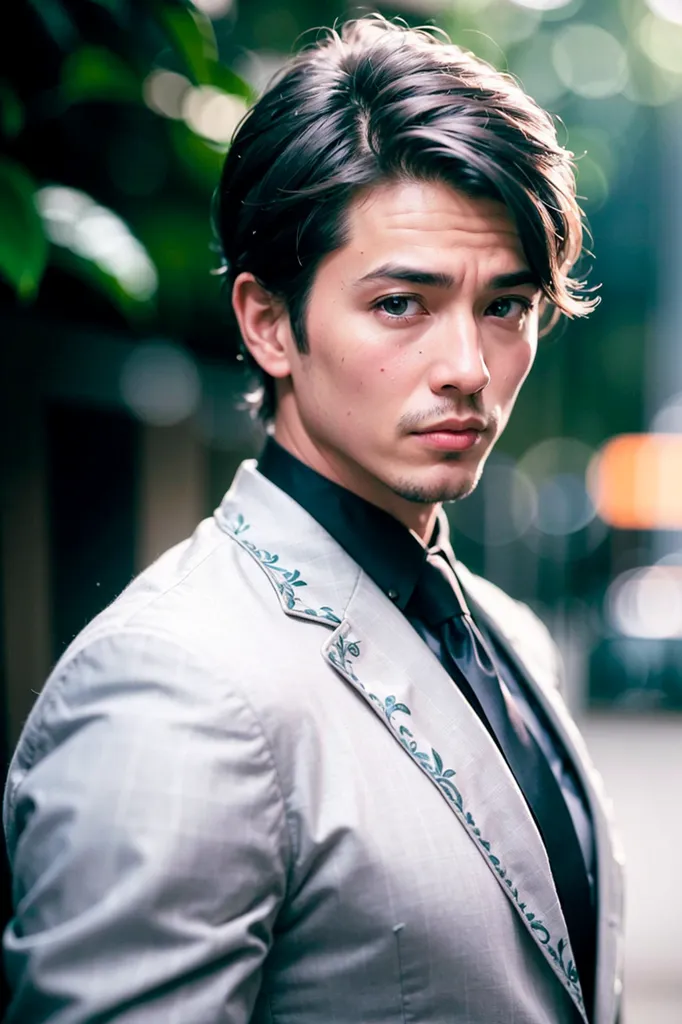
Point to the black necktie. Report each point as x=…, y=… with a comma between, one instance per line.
x=440, y=603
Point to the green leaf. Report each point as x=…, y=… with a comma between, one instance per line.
x=119, y=8
x=192, y=36
x=226, y=79
x=201, y=159
x=11, y=111
x=95, y=73
x=136, y=311
x=58, y=22
x=23, y=246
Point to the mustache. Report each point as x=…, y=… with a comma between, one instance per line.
x=471, y=406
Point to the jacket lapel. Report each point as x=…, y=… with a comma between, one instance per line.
x=536, y=667
x=370, y=645
x=413, y=696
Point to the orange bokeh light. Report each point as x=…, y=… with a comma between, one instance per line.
x=635, y=482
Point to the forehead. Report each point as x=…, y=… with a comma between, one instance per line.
x=434, y=220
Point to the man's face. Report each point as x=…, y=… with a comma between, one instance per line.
x=421, y=330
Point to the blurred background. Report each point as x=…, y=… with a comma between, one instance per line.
x=120, y=384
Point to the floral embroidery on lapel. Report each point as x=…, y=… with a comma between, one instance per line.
x=340, y=655
x=341, y=650
x=284, y=580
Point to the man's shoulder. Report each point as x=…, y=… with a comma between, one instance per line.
x=190, y=626
x=189, y=639
x=205, y=582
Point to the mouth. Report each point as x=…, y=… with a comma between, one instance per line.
x=452, y=435
x=449, y=440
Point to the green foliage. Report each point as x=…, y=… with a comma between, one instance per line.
x=137, y=311
x=89, y=73
x=193, y=38
x=200, y=159
x=115, y=7
x=12, y=114
x=23, y=246
x=94, y=73
x=57, y=20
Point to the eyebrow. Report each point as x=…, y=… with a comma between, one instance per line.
x=431, y=279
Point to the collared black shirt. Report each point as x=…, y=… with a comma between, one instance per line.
x=393, y=557
x=382, y=546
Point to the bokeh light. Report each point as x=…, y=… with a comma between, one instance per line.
x=590, y=61
x=160, y=384
x=208, y=111
x=507, y=25
x=542, y=5
x=635, y=481
x=164, y=92
x=501, y=509
x=534, y=68
x=647, y=602
x=214, y=9
x=463, y=6
x=668, y=419
x=671, y=10
x=75, y=221
x=650, y=85
x=556, y=455
x=594, y=161
x=556, y=467
x=563, y=12
x=661, y=41
x=564, y=506
x=212, y=113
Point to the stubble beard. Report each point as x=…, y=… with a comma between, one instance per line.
x=436, y=495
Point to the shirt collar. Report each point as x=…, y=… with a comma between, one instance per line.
x=382, y=546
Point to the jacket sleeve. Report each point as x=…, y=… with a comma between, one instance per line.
x=148, y=843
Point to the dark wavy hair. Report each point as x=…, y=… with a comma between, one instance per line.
x=377, y=102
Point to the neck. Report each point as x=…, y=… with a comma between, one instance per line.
x=419, y=518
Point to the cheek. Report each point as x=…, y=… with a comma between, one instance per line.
x=519, y=360
x=345, y=360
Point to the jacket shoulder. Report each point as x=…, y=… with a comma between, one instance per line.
x=206, y=583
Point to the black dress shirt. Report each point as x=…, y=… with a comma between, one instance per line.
x=392, y=556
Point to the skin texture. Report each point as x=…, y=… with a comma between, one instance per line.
x=389, y=357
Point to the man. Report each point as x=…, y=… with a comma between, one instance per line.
x=307, y=768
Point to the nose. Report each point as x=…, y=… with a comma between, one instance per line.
x=458, y=361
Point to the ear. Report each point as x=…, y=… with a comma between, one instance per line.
x=264, y=324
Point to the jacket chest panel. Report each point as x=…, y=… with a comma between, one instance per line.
x=383, y=867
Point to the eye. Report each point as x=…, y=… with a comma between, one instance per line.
x=400, y=307
x=510, y=307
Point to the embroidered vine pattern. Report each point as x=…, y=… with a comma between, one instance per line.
x=284, y=580
x=432, y=764
x=341, y=654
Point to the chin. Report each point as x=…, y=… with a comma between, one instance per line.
x=435, y=492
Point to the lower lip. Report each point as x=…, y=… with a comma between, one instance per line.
x=450, y=440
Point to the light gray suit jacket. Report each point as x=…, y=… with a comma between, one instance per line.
x=249, y=792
